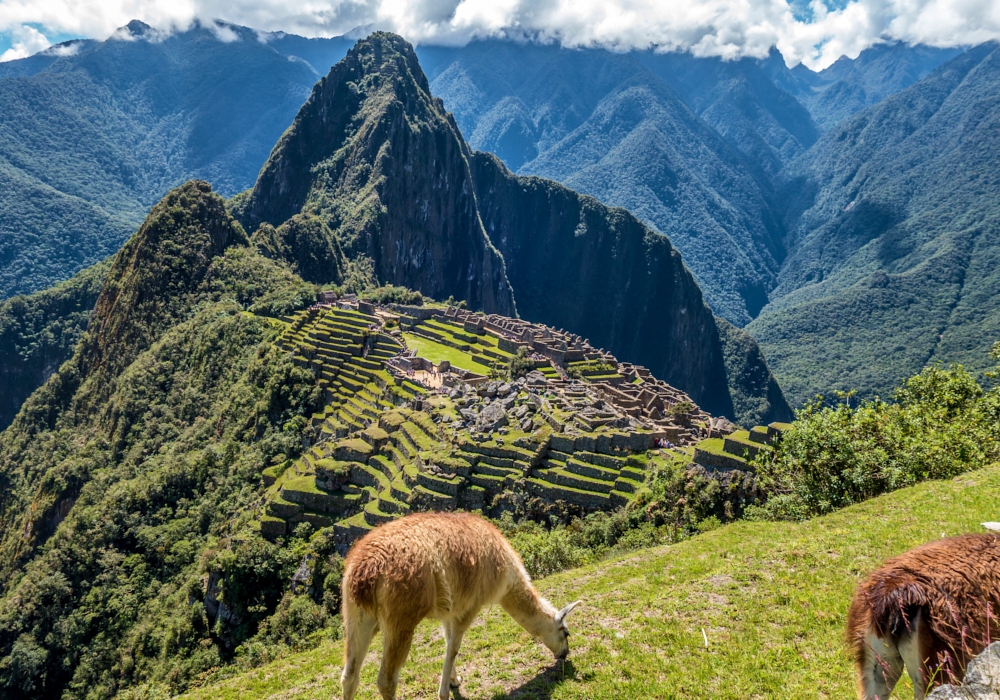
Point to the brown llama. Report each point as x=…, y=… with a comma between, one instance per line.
x=443, y=566
x=931, y=609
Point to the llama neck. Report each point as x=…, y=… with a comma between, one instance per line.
x=528, y=608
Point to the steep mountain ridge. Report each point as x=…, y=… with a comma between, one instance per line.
x=877, y=73
x=377, y=160
x=893, y=219
x=352, y=158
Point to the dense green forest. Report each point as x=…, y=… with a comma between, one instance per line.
x=121, y=475
x=39, y=332
x=893, y=229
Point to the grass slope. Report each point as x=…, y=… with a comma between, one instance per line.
x=771, y=598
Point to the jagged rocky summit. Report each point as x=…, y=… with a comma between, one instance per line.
x=378, y=168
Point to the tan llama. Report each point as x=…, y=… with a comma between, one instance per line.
x=931, y=610
x=443, y=566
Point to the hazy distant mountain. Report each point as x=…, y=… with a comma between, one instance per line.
x=850, y=85
x=89, y=141
x=894, y=238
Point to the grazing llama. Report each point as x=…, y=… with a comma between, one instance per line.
x=931, y=609
x=443, y=566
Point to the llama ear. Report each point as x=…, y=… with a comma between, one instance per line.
x=561, y=615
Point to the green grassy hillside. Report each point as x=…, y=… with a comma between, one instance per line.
x=771, y=599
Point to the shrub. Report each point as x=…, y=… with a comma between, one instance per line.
x=940, y=423
x=393, y=295
x=520, y=364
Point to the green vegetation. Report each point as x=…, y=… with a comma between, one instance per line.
x=129, y=476
x=941, y=423
x=39, y=332
x=770, y=598
x=394, y=295
x=307, y=244
x=894, y=217
x=437, y=352
x=520, y=364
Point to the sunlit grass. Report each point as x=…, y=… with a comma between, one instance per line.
x=771, y=598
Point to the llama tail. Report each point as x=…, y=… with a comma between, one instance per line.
x=361, y=579
x=892, y=601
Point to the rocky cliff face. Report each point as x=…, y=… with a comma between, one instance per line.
x=380, y=162
x=598, y=271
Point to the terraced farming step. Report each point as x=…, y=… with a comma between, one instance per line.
x=583, y=483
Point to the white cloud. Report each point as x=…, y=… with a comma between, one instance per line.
x=25, y=41
x=728, y=28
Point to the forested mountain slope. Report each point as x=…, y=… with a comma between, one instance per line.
x=894, y=230
x=625, y=129
x=88, y=142
x=143, y=446
x=375, y=160
x=39, y=332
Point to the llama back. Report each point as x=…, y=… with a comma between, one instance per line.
x=427, y=546
x=953, y=583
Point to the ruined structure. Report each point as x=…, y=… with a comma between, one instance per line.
x=421, y=413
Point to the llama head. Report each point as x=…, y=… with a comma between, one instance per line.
x=556, y=637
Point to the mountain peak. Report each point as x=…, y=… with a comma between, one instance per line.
x=155, y=275
x=380, y=163
x=138, y=28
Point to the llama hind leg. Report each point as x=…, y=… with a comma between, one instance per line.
x=359, y=629
x=453, y=633
x=916, y=657
x=395, y=648
x=879, y=668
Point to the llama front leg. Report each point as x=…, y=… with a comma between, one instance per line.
x=395, y=648
x=359, y=629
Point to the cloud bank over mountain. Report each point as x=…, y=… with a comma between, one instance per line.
x=805, y=31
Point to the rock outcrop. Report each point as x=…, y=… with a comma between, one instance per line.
x=982, y=679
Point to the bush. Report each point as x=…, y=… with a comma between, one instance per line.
x=393, y=295
x=940, y=423
x=520, y=364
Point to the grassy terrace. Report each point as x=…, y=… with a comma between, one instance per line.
x=771, y=599
x=437, y=352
